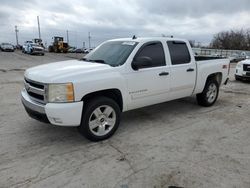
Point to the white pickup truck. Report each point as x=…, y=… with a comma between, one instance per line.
x=120, y=75
x=242, y=71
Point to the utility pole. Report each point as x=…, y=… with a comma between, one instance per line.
x=16, y=30
x=67, y=36
x=89, y=40
x=83, y=45
x=38, y=23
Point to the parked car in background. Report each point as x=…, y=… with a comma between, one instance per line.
x=71, y=49
x=33, y=48
x=236, y=57
x=6, y=47
x=120, y=75
x=78, y=50
x=242, y=71
x=25, y=46
x=87, y=50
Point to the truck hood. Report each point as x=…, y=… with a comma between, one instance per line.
x=247, y=61
x=64, y=71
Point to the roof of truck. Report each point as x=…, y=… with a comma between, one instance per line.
x=147, y=39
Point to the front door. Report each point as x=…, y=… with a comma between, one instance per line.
x=149, y=85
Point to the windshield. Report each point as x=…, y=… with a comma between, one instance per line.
x=7, y=46
x=113, y=53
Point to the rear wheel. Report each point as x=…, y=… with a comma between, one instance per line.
x=100, y=119
x=209, y=95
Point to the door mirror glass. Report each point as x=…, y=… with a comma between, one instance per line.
x=141, y=62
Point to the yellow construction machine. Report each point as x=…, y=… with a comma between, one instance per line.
x=59, y=46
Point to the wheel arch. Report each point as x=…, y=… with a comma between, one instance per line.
x=113, y=93
x=217, y=76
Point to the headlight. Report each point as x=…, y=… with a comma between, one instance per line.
x=61, y=93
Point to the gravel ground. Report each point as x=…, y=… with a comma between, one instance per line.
x=177, y=143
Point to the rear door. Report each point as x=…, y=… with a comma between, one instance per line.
x=183, y=69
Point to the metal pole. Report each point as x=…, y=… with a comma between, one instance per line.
x=38, y=23
x=89, y=40
x=16, y=30
x=68, y=37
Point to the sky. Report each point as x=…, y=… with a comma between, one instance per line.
x=195, y=20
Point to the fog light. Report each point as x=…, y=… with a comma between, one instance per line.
x=56, y=120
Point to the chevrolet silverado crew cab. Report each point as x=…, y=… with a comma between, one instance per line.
x=242, y=71
x=117, y=76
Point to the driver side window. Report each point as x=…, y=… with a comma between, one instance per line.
x=153, y=50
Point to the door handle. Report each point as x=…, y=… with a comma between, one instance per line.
x=190, y=70
x=163, y=74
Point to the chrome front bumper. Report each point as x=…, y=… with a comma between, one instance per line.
x=62, y=114
x=34, y=109
x=27, y=102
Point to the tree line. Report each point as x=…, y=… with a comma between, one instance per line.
x=232, y=40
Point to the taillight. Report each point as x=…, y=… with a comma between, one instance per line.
x=226, y=67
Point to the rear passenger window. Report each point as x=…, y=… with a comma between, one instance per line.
x=155, y=51
x=178, y=52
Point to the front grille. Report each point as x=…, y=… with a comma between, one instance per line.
x=34, y=84
x=246, y=67
x=37, y=96
x=36, y=90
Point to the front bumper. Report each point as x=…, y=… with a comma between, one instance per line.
x=242, y=77
x=37, y=52
x=8, y=50
x=62, y=114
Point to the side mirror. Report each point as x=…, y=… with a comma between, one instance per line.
x=141, y=62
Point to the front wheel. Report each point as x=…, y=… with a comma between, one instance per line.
x=100, y=119
x=209, y=95
x=237, y=78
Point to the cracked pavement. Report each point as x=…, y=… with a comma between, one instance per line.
x=177, y=143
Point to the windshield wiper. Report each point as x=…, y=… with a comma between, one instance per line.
x=84, y=59
x=98, y=61
x=95, y=61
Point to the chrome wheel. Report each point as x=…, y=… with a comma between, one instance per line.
x=102, y=120
x=211, y=93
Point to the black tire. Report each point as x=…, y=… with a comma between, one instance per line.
x=202, y=98
x=237, y=78
x=88, y=113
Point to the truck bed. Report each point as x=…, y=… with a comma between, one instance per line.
x=205, y=58
x=208, y=66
